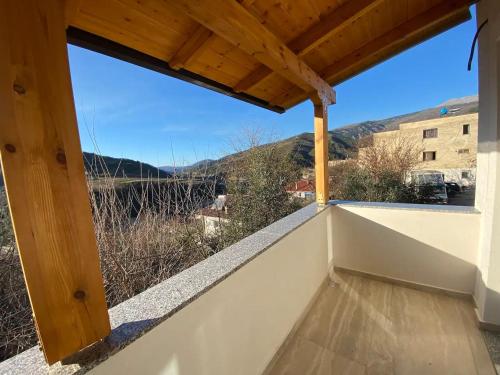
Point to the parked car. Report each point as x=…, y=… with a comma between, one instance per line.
x=433, y=181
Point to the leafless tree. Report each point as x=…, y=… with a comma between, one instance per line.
x=146, y=232
x=379, y=173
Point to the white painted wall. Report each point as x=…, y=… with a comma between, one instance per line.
x=418, y=245
x=487, y=290
x=236, y=327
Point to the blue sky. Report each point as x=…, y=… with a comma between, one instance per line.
x=134, y=113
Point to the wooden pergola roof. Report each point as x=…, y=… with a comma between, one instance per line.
x=225, y=45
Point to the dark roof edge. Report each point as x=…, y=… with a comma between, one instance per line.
x=107, y=47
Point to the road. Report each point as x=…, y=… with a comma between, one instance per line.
x=465, y=198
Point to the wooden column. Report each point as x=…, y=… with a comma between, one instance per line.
x=321, y=151
x=44, y=176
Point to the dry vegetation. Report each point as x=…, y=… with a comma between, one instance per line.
x=378, y=173
x=257, y=185
x=146, y=231
x=16, y=327
x=144, y=237
x=398, y=156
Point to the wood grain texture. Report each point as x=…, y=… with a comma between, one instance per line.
x=415, y=30
x=367, y=326
x=426, y=20
x=335, y=39
x=233, y=22
x=71, y=10
x=44, y=177
x=314, y=36
x=190, y=48
x=321, y=152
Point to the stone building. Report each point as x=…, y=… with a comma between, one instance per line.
x=448, y=144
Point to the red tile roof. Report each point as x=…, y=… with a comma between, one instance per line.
x=301, y=185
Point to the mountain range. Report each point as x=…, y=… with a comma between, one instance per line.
x=181, y=169
x=107, y=166
x=343, y=140
x=102, y=166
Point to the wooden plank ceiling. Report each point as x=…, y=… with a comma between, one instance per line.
x=335, y=39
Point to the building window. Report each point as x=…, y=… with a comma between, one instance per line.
x=465, y=174
x=463, y=151
x=429, y=155
x=466, y=129
x=431, y=133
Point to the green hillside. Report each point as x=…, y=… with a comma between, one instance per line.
x=100, y=166
x=343, y=140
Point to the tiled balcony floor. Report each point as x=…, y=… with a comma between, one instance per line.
x=364, y=326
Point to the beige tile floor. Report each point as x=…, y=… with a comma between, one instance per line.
x=365, y=326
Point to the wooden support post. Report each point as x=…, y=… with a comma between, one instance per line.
x=44, y=176
x=321, y=151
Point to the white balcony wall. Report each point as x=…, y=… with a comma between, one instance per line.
x=431, y=247
x=487, y=292
x=237, y=326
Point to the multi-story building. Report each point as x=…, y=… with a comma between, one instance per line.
x=448, y=144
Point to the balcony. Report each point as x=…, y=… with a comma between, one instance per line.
x=349, y=288
x=336, y=287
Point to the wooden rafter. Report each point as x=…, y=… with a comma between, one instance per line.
x=231, y=21
x=190, y=48
x=445, y=14
x=71, y=8
x=107, y=47
x=314, y=36
x=417, y=29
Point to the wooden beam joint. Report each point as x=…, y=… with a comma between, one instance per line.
x=234, y=23
x=314, y=36
x=191, y=48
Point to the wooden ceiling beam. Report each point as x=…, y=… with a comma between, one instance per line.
x=190, y=48
x=71, y=8
x=246, y=3
x=416, y=30
x=430, y=20
x=233, y=22
x=108, y=47
x=314, y=36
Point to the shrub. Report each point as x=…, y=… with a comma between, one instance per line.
x=146, y=232
x=257, y=186
x=379, y=174
x=143, y=236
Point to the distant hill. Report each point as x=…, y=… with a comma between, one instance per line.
x=344, y=139
x=180, y=169
x=459, y=101
x=118, y=167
